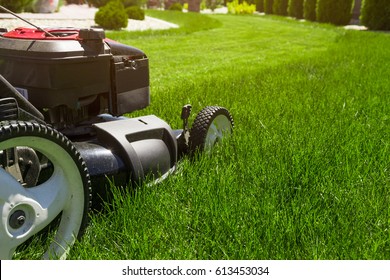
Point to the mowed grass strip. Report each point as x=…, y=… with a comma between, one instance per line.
x=306, y=174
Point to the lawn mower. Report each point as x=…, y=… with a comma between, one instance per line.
x=64, y=94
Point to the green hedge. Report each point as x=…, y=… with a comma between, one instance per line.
x=268, y=4
x=309, y=10
x=295, y=8
x=280, y=7
x=338, y=12
x=375, y=14
x=260, y=6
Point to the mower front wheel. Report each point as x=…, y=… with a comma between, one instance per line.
x=59, y=195
x=210, y=126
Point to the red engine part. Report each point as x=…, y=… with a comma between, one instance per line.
x=40, y=34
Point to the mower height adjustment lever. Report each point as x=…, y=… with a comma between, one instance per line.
x=185, y=114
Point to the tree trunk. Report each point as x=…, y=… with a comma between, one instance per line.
x=194, y=6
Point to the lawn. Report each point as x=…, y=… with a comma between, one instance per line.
x=306, y=174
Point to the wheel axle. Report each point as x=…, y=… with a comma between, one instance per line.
x=17, y=219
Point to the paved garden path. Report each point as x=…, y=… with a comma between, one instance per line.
x=79, y=16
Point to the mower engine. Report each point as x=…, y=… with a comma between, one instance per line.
x=74, y=75
x=63, y=94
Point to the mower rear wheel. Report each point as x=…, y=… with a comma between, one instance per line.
x=59, y=198
x=210, y=126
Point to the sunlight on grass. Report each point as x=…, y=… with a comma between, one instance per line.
x=306, y=174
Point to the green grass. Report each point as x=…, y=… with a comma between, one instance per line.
x=306, y=174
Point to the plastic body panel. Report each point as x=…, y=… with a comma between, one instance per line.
x=147, y=145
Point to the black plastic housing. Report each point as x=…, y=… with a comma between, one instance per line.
x=73, y=68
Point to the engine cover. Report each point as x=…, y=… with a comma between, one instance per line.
x=75, y=68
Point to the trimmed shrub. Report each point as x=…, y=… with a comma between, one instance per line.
x=135, y=12
x=280, y=7
x=235, y=7
x=260, y=6
x=176, y=7
x=268, y=4
x=376, y=14
x=295, y=8
x=112, y=16
x=338, y=12
x=16, y=6
x=309, y=10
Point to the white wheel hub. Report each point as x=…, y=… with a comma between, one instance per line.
x=218, y=127
x=26, y=211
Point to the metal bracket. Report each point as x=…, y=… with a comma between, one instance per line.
x=185, y=114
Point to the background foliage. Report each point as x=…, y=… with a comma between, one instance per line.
x=338, y=12
x=309, y=9
x=17, y=6
x=280, y=7
x=237, y=8
x=376, y=14
x=295, y=8
x=112, y=16
x=268, y=6
x=260, y=6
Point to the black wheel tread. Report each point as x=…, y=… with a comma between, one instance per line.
x=202, y=123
